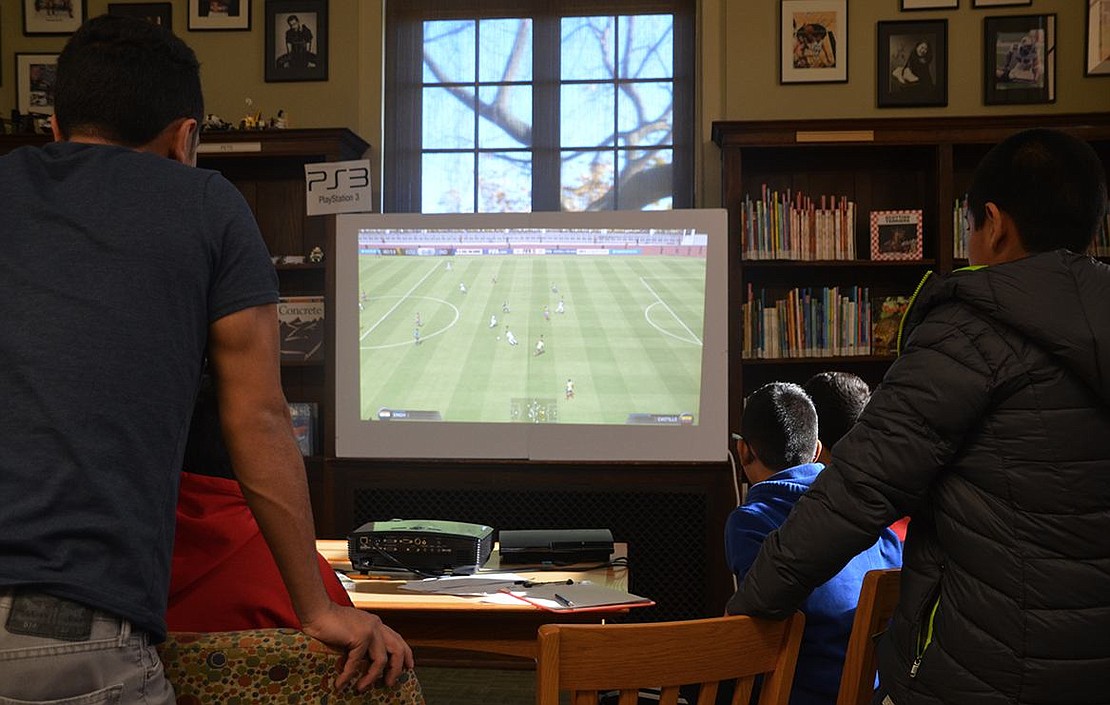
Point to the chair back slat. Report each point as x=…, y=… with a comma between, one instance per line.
x=627, y=657
x=878, y=597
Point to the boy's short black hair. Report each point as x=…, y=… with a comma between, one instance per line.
x=1051, y=183
x=124, y=80
x=780, y=424
x=839, y=398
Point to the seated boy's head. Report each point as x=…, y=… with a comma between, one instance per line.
x=839, y=398
x=778, y=429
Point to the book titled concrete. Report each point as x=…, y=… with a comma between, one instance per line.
x=301, y=321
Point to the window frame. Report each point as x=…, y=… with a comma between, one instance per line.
x=404, y=64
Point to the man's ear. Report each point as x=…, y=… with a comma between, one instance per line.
x=54, y=128
x=817, y=452
x=184, y=138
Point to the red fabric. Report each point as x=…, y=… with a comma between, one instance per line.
x=224, y=577
x=899, y=527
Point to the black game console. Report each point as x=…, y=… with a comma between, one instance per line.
x=556, y=546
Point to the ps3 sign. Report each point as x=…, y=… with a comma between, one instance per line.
x=338, y=187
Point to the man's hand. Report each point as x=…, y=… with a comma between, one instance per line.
x=360, y=637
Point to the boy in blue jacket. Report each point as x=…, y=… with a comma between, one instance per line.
x=778, y=449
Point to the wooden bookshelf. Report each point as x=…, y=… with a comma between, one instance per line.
x=881, y=164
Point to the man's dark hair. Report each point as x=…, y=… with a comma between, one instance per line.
x=839, y=398
x=780, y=424
x=1052, y=184
x=124, y=80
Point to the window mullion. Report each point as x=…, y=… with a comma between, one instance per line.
x=546, y=164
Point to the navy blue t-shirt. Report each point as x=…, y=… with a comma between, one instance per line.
x=113, y=263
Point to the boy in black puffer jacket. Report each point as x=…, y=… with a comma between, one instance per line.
x=992, y=430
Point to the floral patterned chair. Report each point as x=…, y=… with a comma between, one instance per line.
x=266, y=666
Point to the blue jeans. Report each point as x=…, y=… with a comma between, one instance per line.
x=83, y=657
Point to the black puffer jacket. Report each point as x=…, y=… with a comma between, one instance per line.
x=992, y=429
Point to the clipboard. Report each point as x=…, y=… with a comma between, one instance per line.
x=579, y=597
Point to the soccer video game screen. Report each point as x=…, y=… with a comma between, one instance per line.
x=537, y=326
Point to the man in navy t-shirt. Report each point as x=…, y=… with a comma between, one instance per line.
x=122, y=267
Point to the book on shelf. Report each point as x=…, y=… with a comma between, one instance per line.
x=888, y=318
x=794, y=226
x=301, y=322
x=304, y=425
x=961, y=229
x=1101, y=245
x=806, y=322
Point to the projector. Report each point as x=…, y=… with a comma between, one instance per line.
x=419, y=546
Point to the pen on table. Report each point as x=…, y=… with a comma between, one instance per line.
x=563, y=601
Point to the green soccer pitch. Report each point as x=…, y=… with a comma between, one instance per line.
x=629, y=336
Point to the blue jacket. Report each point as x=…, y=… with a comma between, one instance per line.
x=829, y=610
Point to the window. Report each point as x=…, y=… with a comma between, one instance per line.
x=574, y=106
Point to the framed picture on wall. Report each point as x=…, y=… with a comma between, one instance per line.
x=912, y=60
x=35, y=76
x=1098, y=38
x=296, y=40
x=159, y=13
x=219, y=15
x=813, y=41
x=930, y=4
x=1020, y=59
x=52, y=16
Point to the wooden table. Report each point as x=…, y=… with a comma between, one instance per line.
x=466, y=623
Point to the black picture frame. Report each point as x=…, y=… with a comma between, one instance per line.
x=914, y=5
x=53, y=17
x=288, y=20
x=221, y=16
x=813, y=41
x=35, y=77
x=159, y=13
x=912, y=63
x=1019, y=59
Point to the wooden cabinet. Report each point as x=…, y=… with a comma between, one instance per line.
x=883, y=164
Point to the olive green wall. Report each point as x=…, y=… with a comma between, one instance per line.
x=738, y=68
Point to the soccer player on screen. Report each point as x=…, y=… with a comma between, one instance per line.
x=570, y=388
x=539, y=346
x=560, y=307
x=509, y=336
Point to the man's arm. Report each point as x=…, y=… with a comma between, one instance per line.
x=243, y=349
x=930, y=399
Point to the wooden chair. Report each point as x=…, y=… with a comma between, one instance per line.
x=589, y=658
x=877, y=599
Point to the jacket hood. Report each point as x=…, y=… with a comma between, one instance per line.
x=1059, y=300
